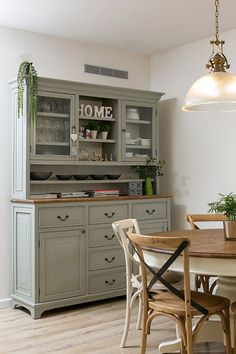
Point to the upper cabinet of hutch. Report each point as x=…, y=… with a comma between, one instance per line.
x=62, y=139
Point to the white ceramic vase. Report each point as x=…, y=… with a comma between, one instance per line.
x=93, y=134
x=104, y=135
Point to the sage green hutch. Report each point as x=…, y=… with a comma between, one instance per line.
x=64, y=249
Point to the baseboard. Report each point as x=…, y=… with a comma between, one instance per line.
x=5, y=302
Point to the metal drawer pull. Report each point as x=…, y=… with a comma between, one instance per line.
x=150, y=212
x=63, y=219
x=110, y=260
x=109, y=237
x=110, y=282
x=109, y=216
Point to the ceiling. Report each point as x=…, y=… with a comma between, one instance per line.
x=143, y=26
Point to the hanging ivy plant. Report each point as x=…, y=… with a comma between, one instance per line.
x=27, y=69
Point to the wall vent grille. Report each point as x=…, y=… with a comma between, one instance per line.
x=99, y=70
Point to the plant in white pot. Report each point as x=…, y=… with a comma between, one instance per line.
x=93, y=127
x=104, y=128
x=226, y=205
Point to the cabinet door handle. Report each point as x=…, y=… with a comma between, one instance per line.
x=150, y=212
x=109, y=216
x=109, y=237
x=110, y=260
x=61, y=218
x=83, y=231
x=110, y=282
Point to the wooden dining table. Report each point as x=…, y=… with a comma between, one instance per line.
x=209, y=253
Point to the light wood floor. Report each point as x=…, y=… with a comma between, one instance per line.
x=94, y=328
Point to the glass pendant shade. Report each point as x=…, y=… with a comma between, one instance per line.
x=215, y=92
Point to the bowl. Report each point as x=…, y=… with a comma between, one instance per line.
x=146, y=142
x=40, y=175
x=113, y=176
x=97, y=176
x=63, y=177
x=129, y=154
x=80, y=177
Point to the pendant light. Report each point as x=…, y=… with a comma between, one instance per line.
x=216, y=91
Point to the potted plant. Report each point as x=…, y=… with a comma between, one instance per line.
x=27, y=71
x=152, y=169
x=103, y=128
x=93, y=127
x=226, y=205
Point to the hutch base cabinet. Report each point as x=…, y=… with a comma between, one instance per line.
x=65, y=251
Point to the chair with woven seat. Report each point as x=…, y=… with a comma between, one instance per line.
x=180, y=306
x=133, y=284
x=204, y=279
x=233, y=308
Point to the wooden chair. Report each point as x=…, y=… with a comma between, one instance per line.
x=233, y=308
x=181, y=306
x=203, y=279
x=133, y=283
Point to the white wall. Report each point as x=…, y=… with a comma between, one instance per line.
x=56, y=58
x=199, y=148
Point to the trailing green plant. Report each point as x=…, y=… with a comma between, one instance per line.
x=225, y=205
x=27, y=70
x=153, y=168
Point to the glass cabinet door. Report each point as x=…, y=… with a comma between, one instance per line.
x=53, y=128
x=138, y=131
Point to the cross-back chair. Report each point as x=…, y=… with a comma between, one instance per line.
x=180, y=306
x=233, y=308
x=133, y=283
x=203, y=279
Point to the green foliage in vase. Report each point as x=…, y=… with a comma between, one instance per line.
x=103, y=126
x=92, y=125
x=153, y=168
x=27, y=71
x=225, y=205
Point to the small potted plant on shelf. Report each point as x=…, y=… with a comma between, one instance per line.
x=27, y=71
x=104, y=128
x=226, y=205
x=93, y=127
x=152, y=169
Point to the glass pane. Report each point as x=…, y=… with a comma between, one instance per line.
x=138, y=133
x=52, y=133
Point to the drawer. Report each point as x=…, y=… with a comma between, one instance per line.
x=150, y=211
x=149, y=227
x=102, y=237
x=104, y=214
x=106, y=281
x=109, y=258
x=61, y=216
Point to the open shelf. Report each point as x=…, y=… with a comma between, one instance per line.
x=52, y=143
x=86, y=181
x=109, y=119
x=53, y=115
x=112, y=141
x=137, y=121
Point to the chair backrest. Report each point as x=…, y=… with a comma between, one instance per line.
x=142, y=242
x=194, y=218
x=121, y=228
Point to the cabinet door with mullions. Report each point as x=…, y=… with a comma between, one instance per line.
x=139, y=131
x=54, y=125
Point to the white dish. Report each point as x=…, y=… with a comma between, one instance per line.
x=145, y=142
x=129, y=154
x=132, y=141
x=141, y=155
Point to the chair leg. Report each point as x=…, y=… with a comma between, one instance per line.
x=144, y=330
x=127, y=314
x=234, y=334
x=139, y=319
x=225, y=320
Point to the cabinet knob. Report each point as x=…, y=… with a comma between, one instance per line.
x=110, y=260
x=109, y=216
x=109, y=237
x=61, y=218
x=150, y=212
x=123, y=130
x=110, y=282
x=83, y=231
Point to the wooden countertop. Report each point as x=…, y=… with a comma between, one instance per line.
x=95, y=199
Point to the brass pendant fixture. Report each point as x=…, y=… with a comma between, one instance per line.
x=216, y=91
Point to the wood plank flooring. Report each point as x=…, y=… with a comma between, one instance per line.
x=94, y=328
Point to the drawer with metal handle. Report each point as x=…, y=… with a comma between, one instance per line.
x=150, y=211
x=99, y=237
x=106, y=281
x=61, y=216
x=104, y=214
x=109, y=258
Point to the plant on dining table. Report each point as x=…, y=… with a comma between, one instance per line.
x=225, y=205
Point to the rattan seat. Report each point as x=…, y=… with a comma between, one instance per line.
x=170, y=303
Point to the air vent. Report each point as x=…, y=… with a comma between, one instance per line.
x=99, y=70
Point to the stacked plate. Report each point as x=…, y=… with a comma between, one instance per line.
x=132, y=113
